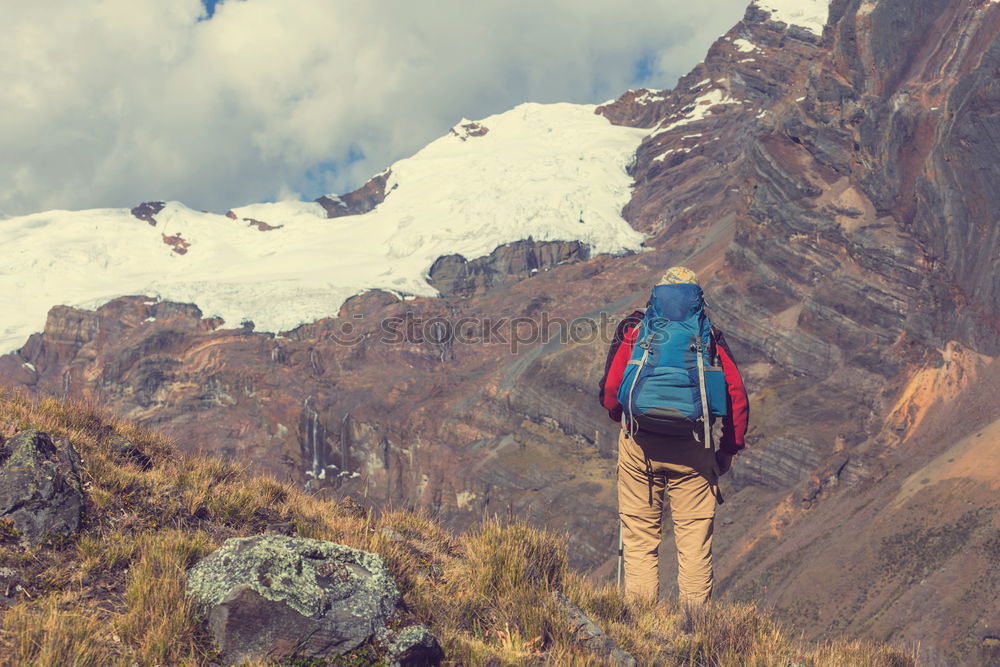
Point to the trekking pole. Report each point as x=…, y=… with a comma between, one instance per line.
x=621, y=553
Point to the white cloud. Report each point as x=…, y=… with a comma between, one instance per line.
x=110, y=102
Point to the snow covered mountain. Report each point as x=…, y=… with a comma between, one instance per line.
x=549, y=172
x=546, y=172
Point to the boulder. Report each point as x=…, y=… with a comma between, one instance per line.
x=40, y=492
x=275, y=596
x=414, y=646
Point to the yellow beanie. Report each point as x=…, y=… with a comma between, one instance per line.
x=678, y=275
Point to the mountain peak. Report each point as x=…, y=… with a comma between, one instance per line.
x=811, y=15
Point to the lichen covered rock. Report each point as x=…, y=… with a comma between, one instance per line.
x=414, y=646
x=273, y=596
x=40, y=492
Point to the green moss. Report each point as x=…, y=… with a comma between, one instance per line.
x=8, y=533
x=23, y=448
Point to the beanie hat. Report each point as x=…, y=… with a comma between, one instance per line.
x=678, y=275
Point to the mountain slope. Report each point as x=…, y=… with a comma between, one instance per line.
x=115, y=594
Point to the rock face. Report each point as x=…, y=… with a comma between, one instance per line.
x=453, y=275
x=146, y=210
x=362, y=200
x=40, y=491
x=361, y=305
x=275, y=596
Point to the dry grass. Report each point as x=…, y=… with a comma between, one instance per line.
x=114, y=595
x=58, y=629
x=156, y=583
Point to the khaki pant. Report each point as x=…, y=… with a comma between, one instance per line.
x=648, y=464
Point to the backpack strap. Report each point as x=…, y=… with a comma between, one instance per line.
x=641, y=363
x=699, y=349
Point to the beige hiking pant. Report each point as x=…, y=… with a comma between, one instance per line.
x=648, y=464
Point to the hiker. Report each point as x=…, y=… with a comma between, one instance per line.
x=669, y=375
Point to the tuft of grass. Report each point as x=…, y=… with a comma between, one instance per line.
x=104, y=553
x=157, y=582
x=59, y=629
x=491, y=598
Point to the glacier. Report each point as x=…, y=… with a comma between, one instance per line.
x=545, y=171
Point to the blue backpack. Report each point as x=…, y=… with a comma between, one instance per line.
x=671, y=385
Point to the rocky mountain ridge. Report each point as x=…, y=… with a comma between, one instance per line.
x=836, y=192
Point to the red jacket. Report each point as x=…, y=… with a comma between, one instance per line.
x=734, y=424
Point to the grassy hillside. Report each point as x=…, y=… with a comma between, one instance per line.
x=114, y=594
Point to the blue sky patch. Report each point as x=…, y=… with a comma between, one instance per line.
x=209, y=6
x=644, y=68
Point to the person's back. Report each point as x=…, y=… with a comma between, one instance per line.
x=658, y=383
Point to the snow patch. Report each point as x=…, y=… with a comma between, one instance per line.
x=744, y=45
x=648, y=97
x=809, y=14
x=539, y=171
x=661, y=157
x=702, y=105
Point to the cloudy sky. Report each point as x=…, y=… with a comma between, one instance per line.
x=112, y=102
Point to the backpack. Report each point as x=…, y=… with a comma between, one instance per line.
x=672, y=384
